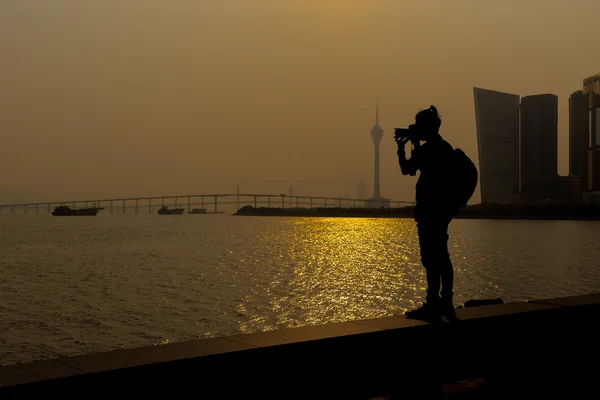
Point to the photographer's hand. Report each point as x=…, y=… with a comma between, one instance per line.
x=416, y=144
x=401, y=142
x=407, y=166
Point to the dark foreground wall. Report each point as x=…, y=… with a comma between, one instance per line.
x=539, y=347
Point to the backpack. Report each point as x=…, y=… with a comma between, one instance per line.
x=464, y=179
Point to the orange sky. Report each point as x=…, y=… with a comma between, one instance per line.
x=148, y=97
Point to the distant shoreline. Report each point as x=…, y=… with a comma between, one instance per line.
x=568, y=213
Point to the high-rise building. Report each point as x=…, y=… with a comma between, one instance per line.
x=497, y=124
x=377, y=200
x=593, y=183
x=539, y=139
x=591, y=87
x=579, y=135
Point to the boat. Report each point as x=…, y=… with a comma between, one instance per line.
x=164, y=210
x=68, y=211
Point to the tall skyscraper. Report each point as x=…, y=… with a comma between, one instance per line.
x=593, y=183
x=579, y=132
x=377, y=134
x=539, y=139
x=497, y=124
x=591, y=87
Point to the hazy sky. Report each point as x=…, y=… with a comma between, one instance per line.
x=148, y=97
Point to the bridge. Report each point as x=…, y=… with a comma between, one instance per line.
x=207, y=201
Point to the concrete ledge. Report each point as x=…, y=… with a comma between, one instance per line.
x=119, y=359
x=301, y=334
x=35, y=371
x=374, y=356
x=500, y=310
x=573, y=301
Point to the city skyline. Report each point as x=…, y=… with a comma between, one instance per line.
x=526, y=103
x=200, y=97
x=537, y=149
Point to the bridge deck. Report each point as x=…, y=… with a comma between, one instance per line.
x=274, y=198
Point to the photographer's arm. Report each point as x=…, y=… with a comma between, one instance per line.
x=410, y=166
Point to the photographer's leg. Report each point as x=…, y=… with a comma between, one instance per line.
x=443, y=260
x=446, y=272
x=429, y=258
x=432, y=272
x=427, y=242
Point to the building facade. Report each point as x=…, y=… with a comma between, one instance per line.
x=497, y=125
x=558, y=188
x=593, y=183
x=591, y=87
x=538, y=139
x=579, y=135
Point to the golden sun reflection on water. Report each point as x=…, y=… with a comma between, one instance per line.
x=149, y=280
x=341, y=269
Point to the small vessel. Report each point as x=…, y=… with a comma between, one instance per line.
x=68, y=211
x=164, y=210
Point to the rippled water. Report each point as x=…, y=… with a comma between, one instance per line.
x=71, y=286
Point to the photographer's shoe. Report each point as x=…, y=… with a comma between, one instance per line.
x=447, y=310
x=427, y=312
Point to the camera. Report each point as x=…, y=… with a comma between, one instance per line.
x=406, y=134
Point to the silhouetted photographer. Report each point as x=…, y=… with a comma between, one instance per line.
x=446, y=182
